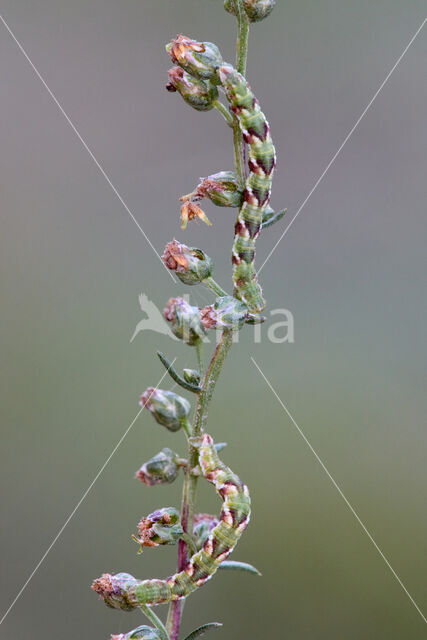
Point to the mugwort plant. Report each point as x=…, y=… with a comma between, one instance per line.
x=205, y=541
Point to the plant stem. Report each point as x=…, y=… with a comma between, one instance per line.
x=241, y=57
x=224, y=112
x=214, y=286
x=242, y=39
x=154, y=620
x=214, y=369
x=199, y=352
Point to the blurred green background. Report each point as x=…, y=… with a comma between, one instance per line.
x=351, y=269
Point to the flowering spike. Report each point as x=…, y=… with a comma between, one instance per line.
x=256, y=10
x=159, y=528
x=163, y=468
x=225, y=313
x=199, y=94
x=184, y=321
x=200, y=59
x=168, y=408
x=191, y=265
x=140, y=633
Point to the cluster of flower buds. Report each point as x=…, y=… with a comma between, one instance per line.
x=199, y=94
x=226, y=313
x=140, y=633
x=255, y=10
x=191, y=265
x=163, y=468
x=184, y=321
x=203, y=525
x=221, y=188
x=200, y=59
x=115, y=590
x=161, y=527
x=168, y=408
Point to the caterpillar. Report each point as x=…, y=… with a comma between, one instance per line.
x=257, y=191
x=123, y=591
x=203, y=60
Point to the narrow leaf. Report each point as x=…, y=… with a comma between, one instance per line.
x=232, y=565
x=200, y=631
x=175, y=376
x=270, y=217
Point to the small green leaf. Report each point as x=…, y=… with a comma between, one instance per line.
x=200, y=631
x=270, y=217
x=175, y=376
x=232, y=565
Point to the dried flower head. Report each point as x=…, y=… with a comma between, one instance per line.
x=190, y=211
x=191, y=265
x=256, y=10
x=184, y=321
x=168, y=408
x=201, y=59
x=199, y=94
x=221, y=188
x=162, y=468
x=116, y=590
x=161, y=527
x=225, y=313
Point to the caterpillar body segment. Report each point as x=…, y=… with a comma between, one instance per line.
x=123, y=591
x=257, y=191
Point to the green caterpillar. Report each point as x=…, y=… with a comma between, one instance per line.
x=123, y=591
x=257, y=191
x=203, y=61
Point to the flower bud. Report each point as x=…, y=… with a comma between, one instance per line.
x=184, y=320
x=221, y=188
x=163, y=468
x=256, y=10
x=203, y=525
x=199, y=94
x=226, y=313
x=141, y=633
x=161, y=527
x=190, y=265
x=168, y=408
x=115, y=589
x=201, y=59
x=192, y=376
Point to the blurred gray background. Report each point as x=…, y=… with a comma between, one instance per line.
x=351, y=269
